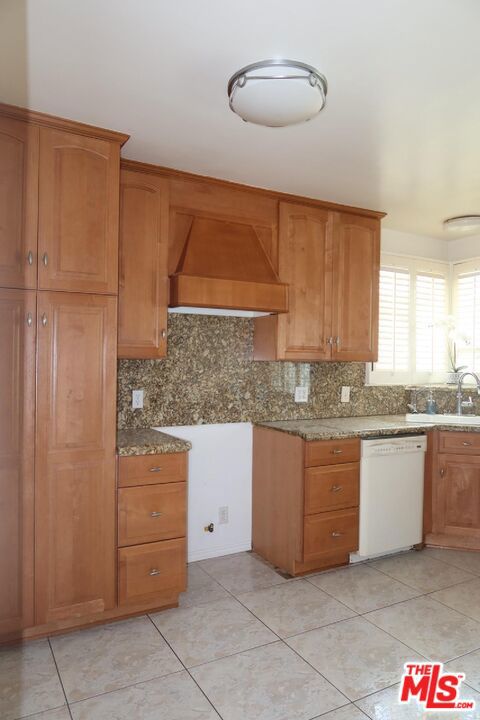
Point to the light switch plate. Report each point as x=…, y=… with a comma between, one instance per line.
x=301, y=394
x=137, y=399
x=345, y=396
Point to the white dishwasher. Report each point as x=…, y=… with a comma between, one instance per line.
x=391, y=494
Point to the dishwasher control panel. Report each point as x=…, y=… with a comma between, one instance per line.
x=394, y=446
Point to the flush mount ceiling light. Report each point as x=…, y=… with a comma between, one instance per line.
x=277, y=93
x=466, y=223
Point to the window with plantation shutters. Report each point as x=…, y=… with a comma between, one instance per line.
x=467, y=315
x=430, y=331
x=413, y=306
x=394, y=319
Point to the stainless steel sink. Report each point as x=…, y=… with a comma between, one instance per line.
x=447, y=419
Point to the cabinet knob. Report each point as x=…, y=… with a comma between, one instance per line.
x=30, y=257
x=337, y=341
x=154, y=572
x=163, y=334
x=44, y=320
x=337, y=451
x=155, y=469
x=45, y=259
x=156, y=514
x=442, y=472
x=336, y=488
x=330, y=341
x=466, y=444
x=29, y=319
x=336, y=534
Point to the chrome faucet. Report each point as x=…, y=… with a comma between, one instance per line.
x=465, y=403
x=415, y=391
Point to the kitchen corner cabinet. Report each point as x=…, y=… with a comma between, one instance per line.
x=143, y=286
x=331, y=261
x=75, y=455
x=305, y=500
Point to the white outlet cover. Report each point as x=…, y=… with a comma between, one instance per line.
x=345, y=395
x=223, y=515
x=137, y=399
x=301, y=394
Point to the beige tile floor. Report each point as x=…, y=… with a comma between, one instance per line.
x=248, y=644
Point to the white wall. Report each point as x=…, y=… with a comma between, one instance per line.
x=401, y=243
x=220, y=473
x=465, y=248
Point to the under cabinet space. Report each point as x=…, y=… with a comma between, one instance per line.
x=154, y=512
x=331, y=488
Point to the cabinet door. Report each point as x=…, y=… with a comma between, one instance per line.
x=356, y=264
x=18, y=203
x=17, y=402
x=305, y=263
x=75, y=455
x=78, y=213
x=143, y=291
x=457, y=496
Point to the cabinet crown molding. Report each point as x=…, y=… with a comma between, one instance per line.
x=52, y=121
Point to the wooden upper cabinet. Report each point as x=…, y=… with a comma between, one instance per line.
x=456, y=509
x=143, y=289
x=78, y=212
x=305, y=263
x=75, y=455
x=17, y=404
x=18, y=203
x=356, y=267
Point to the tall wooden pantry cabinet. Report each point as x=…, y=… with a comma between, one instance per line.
x=59, y=204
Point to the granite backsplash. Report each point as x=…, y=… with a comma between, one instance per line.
x=209, y=377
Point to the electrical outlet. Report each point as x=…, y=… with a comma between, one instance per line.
x=301, y=394
x=345, y=396
x=223, y=515
x=137, y=399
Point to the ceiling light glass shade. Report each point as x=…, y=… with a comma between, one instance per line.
x=276, y=93
x=465, y=223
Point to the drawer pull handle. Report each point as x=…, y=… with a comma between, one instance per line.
x=337, y=451
x=30, y=257
x=466, y=444
x=45, y=259
x=155, y=514
x=154, y=469
x=336, y=488
x=154, y=572
x=336, y=534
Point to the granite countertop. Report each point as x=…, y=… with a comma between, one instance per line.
x=361, y=427
x=144, y=441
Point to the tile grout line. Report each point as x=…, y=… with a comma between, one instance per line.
x=59, y=677
x=185, y=667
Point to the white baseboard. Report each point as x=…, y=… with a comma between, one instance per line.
x=218, y=551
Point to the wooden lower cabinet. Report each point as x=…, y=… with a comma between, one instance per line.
x=75, y=456
x=17, y=423
x=152, y=528
x=305, y=515
x=457, y=499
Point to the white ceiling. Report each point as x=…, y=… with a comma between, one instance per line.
x=400, y=133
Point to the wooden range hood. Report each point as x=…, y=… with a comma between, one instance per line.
x=223, y=264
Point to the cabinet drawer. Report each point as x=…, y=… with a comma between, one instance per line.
x=152, y=512
x=330, y=452
x=152, y=469
x=329, y=532
x=331, y=487
x=459, y=442
x=152, y=573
